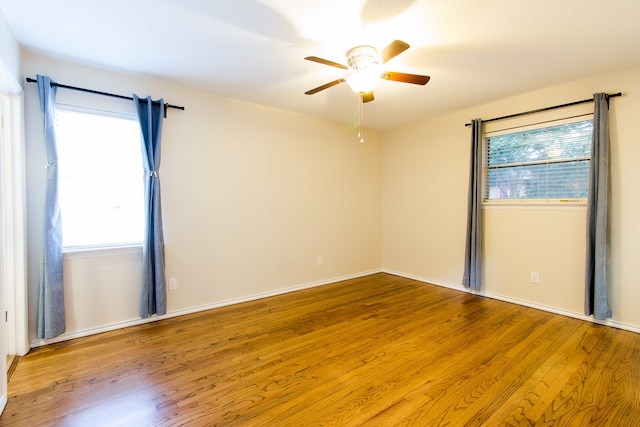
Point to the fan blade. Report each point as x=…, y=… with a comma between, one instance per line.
x=416, y=79
x=367, y=96
x=324, y=86
x=394, y=49
x=326, y=62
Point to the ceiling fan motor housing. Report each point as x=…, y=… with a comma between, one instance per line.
x=363, y=57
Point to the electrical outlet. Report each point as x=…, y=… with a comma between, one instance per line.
x=319, y=261
x=535, y=277
x=173, y=283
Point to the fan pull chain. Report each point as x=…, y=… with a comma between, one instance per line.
x=360, y=118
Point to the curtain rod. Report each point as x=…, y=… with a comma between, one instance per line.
x=584, y=101
x=97, y=92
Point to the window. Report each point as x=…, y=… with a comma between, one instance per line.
x=549, y=163
x=100, y=172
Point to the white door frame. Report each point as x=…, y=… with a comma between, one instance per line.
x=13, y=280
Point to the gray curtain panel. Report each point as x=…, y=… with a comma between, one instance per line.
x=472, y=278
x=51, y=314
x=596, y=302
x=150, y=114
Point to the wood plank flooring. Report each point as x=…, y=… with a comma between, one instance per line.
x=377, y=351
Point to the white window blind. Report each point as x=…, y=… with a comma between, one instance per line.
x=544, y=163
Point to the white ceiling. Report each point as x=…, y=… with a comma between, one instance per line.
x=253, y=50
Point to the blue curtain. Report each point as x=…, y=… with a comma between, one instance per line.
x=596, y=302
x=153, y=301
x=51, y=316
x=472, y=278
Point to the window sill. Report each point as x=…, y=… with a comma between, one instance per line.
x=536, y=204
x=73, y=253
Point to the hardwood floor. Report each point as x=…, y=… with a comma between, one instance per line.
x=379, y=350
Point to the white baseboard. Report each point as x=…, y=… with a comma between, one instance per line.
x=3, y=402
x=459, y=287
x=133, y=322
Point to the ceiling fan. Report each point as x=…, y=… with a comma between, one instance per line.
x=365, y=68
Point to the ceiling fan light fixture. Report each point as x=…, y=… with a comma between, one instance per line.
x=365, y=70
x=363, y=81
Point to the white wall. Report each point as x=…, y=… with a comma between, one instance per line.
x=251, y=197
x=425, y=181
x=9, y=51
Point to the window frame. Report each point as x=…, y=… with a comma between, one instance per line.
x=542, y=202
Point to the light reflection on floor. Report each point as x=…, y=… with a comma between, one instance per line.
x=130, y=408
